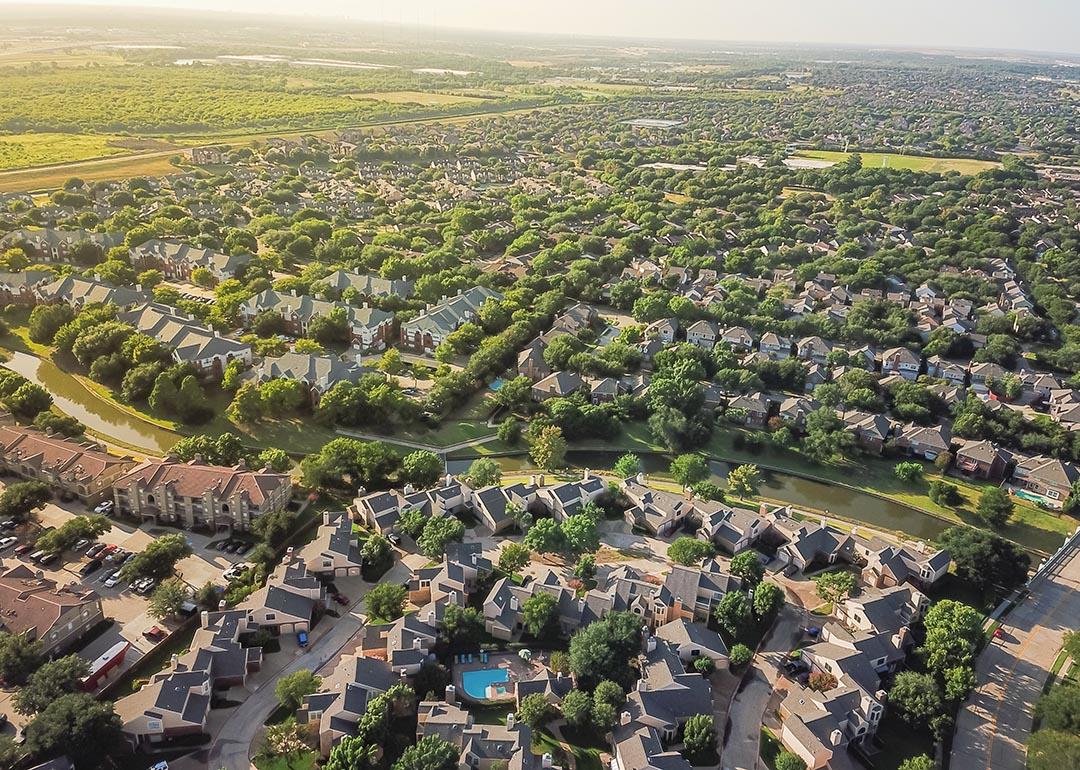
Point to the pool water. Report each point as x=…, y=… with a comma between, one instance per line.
x=475, y=683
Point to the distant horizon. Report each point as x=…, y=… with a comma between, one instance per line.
x=991, y=26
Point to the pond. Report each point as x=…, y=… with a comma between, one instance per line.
x=101, y=417
x=845, y=503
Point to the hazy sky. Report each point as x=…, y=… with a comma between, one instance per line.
x=1041, y=25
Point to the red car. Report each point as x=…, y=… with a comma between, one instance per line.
x=109, y=548
x=153, y=633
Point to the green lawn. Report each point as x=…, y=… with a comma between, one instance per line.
x=911, y=162
x=305, y=761
x=769, y=747
x=585, y=758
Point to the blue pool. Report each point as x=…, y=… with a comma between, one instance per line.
x=475, y=683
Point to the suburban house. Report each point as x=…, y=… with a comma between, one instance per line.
x=893, y=565
x=22, y=288
x=366, y=285
x=703, y=334
x=199, y=496
x=901, y=361
x=381, y=510
x=1050, y=479
x=289, y=600
x=693, y=640
x=343, y=698
x=882, y=609
x=494, y=505
x=51, y=245
x=557, y=385
x=78, y=468
x=871, y=431
x=191, y=341
x=368, y=327
x=927, y=442
x=79, y=292
x=334, y=551
x=178, y=260
x=658, y=512
x=566, y=498
x=318, y=372
x=427, y=331
x=57, y=616
x=983, y=460
x=734, y=529
x=775, y=347
x=481, y=746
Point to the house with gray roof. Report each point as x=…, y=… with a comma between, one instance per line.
x=53, y=245
x=367, y=285
x=343, y=698
x=427, y=331
x=318, y=372
x=178, y=260
x=368, y=327
x=191, y=341
x=334, y=551
x=79, y=292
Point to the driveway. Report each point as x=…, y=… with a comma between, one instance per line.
x=747, y=712
x=232, y=745
x=992, y=729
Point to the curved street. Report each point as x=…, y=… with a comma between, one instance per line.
x=993, y=727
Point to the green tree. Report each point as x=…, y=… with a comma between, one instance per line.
x=704, y=665
x=1071, y=644
x=158, y=559
x=579, y=534
x=535, y=711
x=785, y=760
x=577, y=708
x=916, y=698
x=291, y=688
x=421, y=468
x=19, y=500
x=509, y=431
x=78, y=725
x=483, y=472
x=732, y=614
x=539, y=613
x=168, y=597
x=747, y=566
x=604, y=648
x=739, y=655
x=985, y=560
x=699, y=733
x=247, y=406
x=995, y=507
x=20, y=656
x=274, y=526
x=464, y=626
x=768, y=599
x=1053, y=750
x=28, y=401
x=918, y=762
x=513, y=557
x=627, y=466
x=544, y=536
x=690, y=551
x=386, y=601
x=689, y=469
x=438, y=533
x=959, y=681
x=953, y=632
x=548, y=449
x=744, y=480
x=429, y=753
x=908, y=471
x=52, y=679
x=833, y=587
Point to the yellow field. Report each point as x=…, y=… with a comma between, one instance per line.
x=156, y=164
x=912, y=162
x=22, y=150
x=426, y=98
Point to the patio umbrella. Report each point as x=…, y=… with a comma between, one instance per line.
x=525, y=654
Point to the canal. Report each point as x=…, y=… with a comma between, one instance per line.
x=100, y=417
x=844, y=502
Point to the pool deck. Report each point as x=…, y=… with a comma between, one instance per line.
x=516, y=670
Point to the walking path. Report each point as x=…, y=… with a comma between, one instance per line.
x=993, y=728
x=417, y=444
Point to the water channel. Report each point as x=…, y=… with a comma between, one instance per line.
x=101, y=417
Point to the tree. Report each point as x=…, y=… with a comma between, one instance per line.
x=21, y=498
x=577, y=707
x=689, y=469
x=28, y=400
x=579, y=534
x=386, y=601
x=627, y=466
x=995, y=506
x=10, y=752
x=699, y=733
x=603, y=649
x=464, y=626
x=1071, y=644
x=704, y=665
x=168, y=597
x=509, y=431
x=544, y=536
x=232, y=377
x=411, y=522
x=739, y=655
x=825, y=438
x=59, y=423
x=20, y=656
x=908, y=471
x=429, y=753
x=438, y=533
x=747, y=566
x=247, y=406
x=821, y=681
x=421, y=468
x=918, y=762
x=275, y=459
x=534, y=710
x=690, y=551
x=732, y=613
x=157, y=559
x=274, y=526
x=291, y=688
x=78, y=725
x=944, y=493
x=785, y=760
x=1053, y=750
x=744, y=480
x=513, y=557
x=285, y=739
x=483, y=472
x=916, y=698
x=953, y=631
x=548, y=450
x=768, y=599
x=52, y=679
x=833, y=587
x=539, y=613
x=559, y=662
x=71, y=531
x=985, y=560
x=959, y=681
x=46, y=320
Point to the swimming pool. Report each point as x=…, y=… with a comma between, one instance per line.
x=475, y=683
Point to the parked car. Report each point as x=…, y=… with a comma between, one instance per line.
x=24, y=548
x=113, y=578
x=116, y=556
x=244, y=548
x=49, y=558
x=9, y=524
x=36, y=555
x=147, y=586
x=301, y=638
x=104, y=508
x=7, y=542
x=235, y=571
x=153, y=633
x=81, y=545
x=110, y=548
x=90, y=567
x=95, y=549
x=221, y=545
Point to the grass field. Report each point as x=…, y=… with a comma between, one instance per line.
x=121, y=167
x=912, y=162
x=425, y=98
x=25, y=150
x=17, y=55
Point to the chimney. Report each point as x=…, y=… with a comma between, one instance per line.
x=511, y=718
x=513, y=603
x=416, y=643
x=586, y=475
x=640, y=478
x=581, y=606
x=545, y=761
x=453, y=597
x=835, y=737
x=431, y=617
x=650, y=644
x=642, y=685
x=204, y=618
x=762, y=509
x=408, y=489
x=221, y=605
x=450, y=696
x=173, y=660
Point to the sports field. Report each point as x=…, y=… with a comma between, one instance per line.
x=912, y=162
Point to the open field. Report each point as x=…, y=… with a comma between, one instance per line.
x=911, y=162
x=25, y=150
x=425, y=98
x=16, y=55
x=121, y=167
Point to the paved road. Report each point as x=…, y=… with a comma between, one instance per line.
x=993, y=727
x=740, y=750
x=232, y=746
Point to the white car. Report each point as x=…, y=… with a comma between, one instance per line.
x=236, y=570
x=105, y=507
x=7, y=542
x=113, y=579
